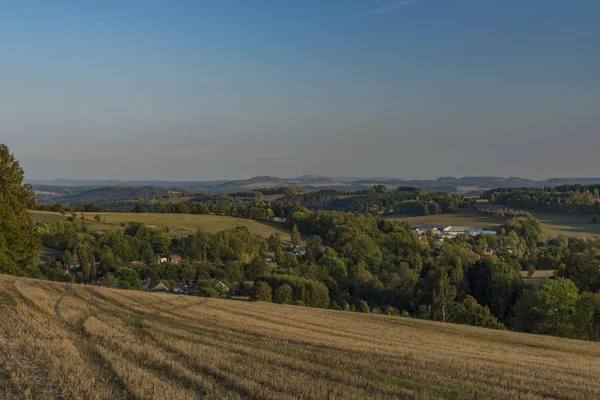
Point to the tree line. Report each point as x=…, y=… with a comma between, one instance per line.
x=572, y=199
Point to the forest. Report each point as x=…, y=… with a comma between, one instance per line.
x=572, y=199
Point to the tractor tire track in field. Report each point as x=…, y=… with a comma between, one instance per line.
x=88, y=349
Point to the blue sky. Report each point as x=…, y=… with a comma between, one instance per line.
x=197, y=90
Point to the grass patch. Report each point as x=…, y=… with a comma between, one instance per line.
x=7, y=300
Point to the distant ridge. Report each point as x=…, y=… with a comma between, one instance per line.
x=481, y=182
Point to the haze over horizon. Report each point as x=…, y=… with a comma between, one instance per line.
x=209, y=90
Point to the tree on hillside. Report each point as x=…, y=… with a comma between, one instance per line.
x=261, y=291
x=443, y=298
x=548, y=310
x=18, y=238
x=139, y=207
x=362, y=307
x=295, y=239
x=283, y=295
x=159, y=207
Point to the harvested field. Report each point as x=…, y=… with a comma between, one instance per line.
x=69, y=341
x=177, y=224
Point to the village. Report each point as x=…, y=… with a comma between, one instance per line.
x=75, y=270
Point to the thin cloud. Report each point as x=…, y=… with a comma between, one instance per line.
x=386, y=9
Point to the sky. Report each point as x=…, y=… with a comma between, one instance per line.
x=224, y=89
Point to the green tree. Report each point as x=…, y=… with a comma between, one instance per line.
x=444, y=294
x=558, y=298
x=261, y=291
x=129, y=276
x=295, y=238
x=470, y=312
x=18, y=237
x=67, y=258
x=139, y=207
x=283, y=295
x=274, y=241
x=587, y=317
x=159, y=207
x=548, y=310
x=363, y=307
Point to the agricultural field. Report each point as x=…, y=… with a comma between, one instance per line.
x=553, y=224
x=49, y=217
x=464, y=217
x=539, y=276
x=72, y=341
x=177, y=224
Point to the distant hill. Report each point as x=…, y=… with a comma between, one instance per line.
x=76, y=190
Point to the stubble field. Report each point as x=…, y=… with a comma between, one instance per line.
x=68, y=341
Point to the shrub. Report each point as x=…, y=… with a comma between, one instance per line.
x=392, y=311
x=207, y=292
x=362, y=307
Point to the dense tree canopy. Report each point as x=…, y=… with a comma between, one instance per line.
x=18, y=240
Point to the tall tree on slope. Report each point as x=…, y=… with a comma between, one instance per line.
x=18, y=239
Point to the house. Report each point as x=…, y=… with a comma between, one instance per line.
x=242, y=288
x=154, y=286
x=473, y=256
x=270, y=256
x=162, y=260
x=488, y=232
x=137, y=263
x=175, y=259
x=299, y=250
x=435, y=227
x=180, y=287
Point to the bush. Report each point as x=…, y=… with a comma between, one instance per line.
x=207, y=292
x=362, y=307
x=392, y=311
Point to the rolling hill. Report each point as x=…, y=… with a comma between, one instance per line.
x=72, y=341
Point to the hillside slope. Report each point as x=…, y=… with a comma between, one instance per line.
x=69, y=341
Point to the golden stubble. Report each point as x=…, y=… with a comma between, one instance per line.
x=78, y=342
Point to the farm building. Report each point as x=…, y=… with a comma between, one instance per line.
x=436, y=227
x=154, y=286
